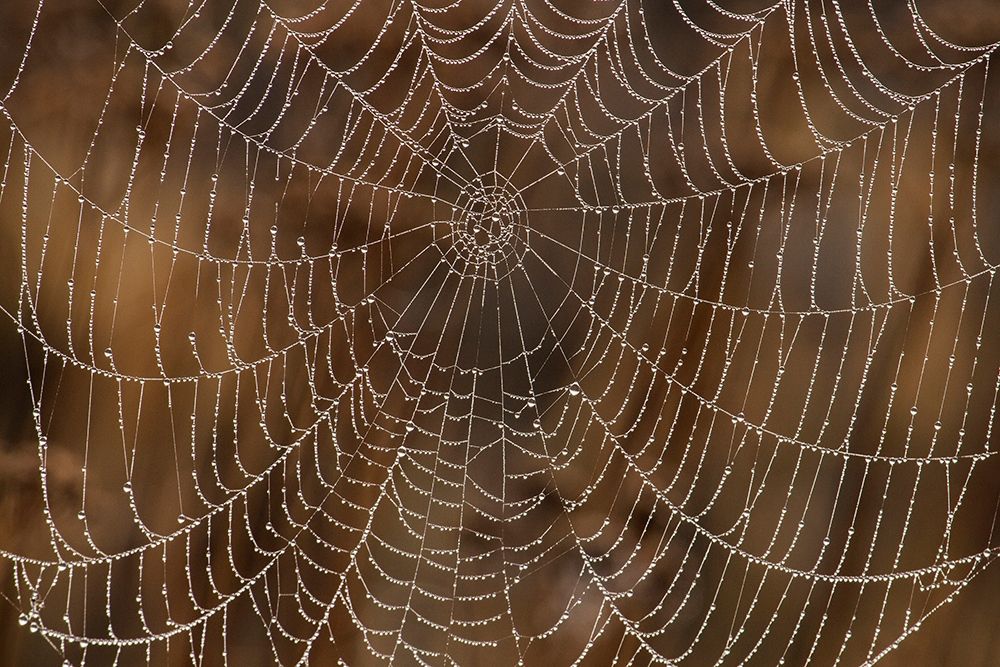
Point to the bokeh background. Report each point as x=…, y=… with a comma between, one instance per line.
x=78, y=77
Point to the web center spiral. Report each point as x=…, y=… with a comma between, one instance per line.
x=488, y=230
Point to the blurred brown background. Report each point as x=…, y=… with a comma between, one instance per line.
x=204, y=126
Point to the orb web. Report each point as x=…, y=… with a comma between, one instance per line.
x=451, y=332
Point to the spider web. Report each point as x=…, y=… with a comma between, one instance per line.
x=445, y=332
